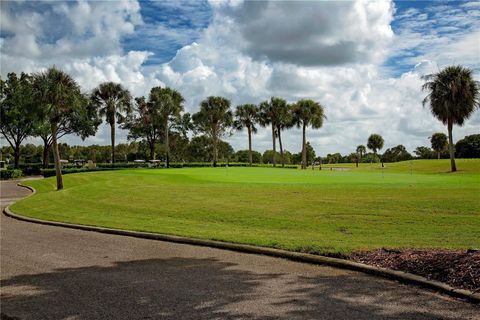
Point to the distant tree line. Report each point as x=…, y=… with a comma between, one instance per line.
x=198, y=149
x=50, y=104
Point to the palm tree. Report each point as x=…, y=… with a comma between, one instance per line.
x=307, y=113
x=169, y=102
x=114, y=103
x=361, y=150
x=268, y=116
x=439, y=142
x=453, y=97
x=284, y=121
x=245, y=117
x=213, y=119
x=375, y=143
x=58, y=96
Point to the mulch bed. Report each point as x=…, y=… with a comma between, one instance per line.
x=458, y=268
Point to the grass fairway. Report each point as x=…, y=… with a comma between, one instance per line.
x=407, y=205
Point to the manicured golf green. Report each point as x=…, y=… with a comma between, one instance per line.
x=408, y=204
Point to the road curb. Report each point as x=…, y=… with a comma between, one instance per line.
x=400, y=276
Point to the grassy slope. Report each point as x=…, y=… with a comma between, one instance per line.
x=318, y=211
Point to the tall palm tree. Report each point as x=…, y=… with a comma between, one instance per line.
x=58, y=96
x=307, y=113
x=453, y=96
x=169, y=103
x=214, y=120
x=439, y=142
x=375, y=143
x=114, y=103
x=268, y=116
x=246, y=116
x=284, y=121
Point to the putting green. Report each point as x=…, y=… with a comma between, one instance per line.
x=408, y=204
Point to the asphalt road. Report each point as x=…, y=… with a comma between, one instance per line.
x=57, y=273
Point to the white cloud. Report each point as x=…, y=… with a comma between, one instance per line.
x=315, y=33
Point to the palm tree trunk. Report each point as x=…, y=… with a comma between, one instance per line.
x=250, y=160
x=56, y=157
x=450, y=146
x=167, y=146
x=112, y=135
x=281, y=147
x=438, y=155
x=304, y=149
x=274, y=162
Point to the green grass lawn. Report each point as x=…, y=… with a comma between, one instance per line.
x=408, y=204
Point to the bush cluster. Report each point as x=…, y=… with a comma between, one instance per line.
x=10, y=174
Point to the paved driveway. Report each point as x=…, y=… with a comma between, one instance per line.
x=57, y=273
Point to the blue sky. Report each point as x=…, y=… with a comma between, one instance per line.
x=363, y=60
x=168, y=27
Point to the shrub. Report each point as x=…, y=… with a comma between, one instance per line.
x=10, y=174
x=30, y=169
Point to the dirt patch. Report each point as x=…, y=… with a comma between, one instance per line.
x=458, y=268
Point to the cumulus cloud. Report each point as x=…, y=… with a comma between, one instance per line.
x=315, y=33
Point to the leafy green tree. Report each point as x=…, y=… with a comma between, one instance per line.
x=16, y=114
x=307, y=113
x=114, y=104
x=214, y=120
x=334, y=158
x=453, y=96
x=423, y=152
x=145, y=123
x=395, y=154
x=169, y=103
x=71, y=123
x=468, y=147
x=375, y=143
x=297, y=157
x=439, y=142
x=59, y=101
x=268, y=156
x=178, y=145
x=244, y=156
x=201, y=149
x=246, y=116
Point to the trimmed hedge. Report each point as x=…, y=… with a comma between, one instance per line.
x=10, y=174
x=123, y=165
x=51, y=172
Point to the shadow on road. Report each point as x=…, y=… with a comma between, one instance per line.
x=180, y=288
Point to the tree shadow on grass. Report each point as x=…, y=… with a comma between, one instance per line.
x=181, y=288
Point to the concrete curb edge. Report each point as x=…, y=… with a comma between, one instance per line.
x=400, y=276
